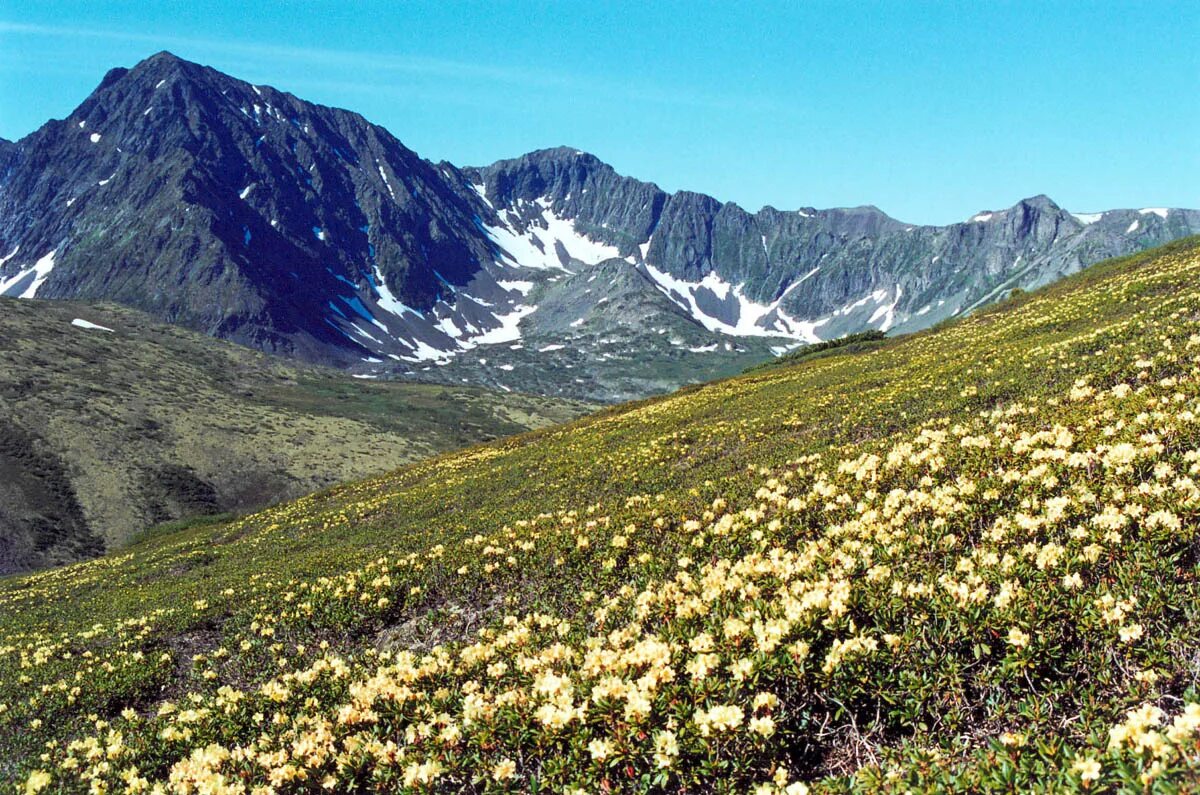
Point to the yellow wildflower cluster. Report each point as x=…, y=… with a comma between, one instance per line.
x=764, y=583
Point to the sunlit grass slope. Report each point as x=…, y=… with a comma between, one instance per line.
x=965, y=560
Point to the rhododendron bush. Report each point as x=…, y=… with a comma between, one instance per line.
x=966, y=560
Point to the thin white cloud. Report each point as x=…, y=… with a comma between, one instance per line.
x=415, y=65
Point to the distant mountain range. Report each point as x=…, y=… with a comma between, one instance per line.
x=246, y=213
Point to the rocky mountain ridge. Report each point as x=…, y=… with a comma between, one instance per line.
x=249, y=214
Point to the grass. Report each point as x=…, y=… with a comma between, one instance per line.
x=178, y=525
x=104, y=434
x=851, y=343
x=964, y=561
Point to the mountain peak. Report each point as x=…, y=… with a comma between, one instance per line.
x=557, y=155
x=862, y=209
x=150, y=74
x=112, y=76
x=159, y=65
x=164, y=56
x=1041, y=202
x=559, y=152
x=248, y=213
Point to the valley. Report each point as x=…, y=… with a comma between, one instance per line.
x=111, y=423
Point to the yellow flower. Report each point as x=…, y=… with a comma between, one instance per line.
x=666, y=748
x=38, y=780
x=599, y=749
x=1087, y=768
x=1130, y=633
x=762, y=726
x=725, y=717
x=504, y=770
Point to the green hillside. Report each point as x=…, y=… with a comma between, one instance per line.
x=965, y=560
x=107, y=431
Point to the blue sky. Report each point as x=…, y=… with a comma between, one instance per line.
x=932, y=111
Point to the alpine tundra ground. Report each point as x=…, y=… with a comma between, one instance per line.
x=112, y=423
x=965, y=560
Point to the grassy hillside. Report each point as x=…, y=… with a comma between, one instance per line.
x=851, y=343
x=106, y=433
x=965, y=560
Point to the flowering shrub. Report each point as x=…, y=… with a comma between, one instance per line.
x=966, y=560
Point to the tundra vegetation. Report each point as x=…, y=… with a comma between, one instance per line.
x=965, y=560
x=125, y=423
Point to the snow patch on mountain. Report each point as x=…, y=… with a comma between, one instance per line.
x=535, y=244
x=424, y=352
x=86, y=324
x=886, y=312
x=644, y=247
x=385, y=299
x=25, y=283
x=508, y=331
x=387, y=182
x=742, y=317
x=511, y=285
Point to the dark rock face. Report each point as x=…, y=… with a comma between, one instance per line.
x=7, y=151
x=234, y=209
x=246, y=213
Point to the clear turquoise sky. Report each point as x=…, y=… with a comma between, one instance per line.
x=932, y=111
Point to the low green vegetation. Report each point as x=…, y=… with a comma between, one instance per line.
x=851, y=343
x=964, y=561
x=178, y=525
x=104, y=433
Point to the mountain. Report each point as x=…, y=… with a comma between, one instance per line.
x=245, y=213
x=233, y=209
x=814, y=274
x=111, y=423
x=961, y=561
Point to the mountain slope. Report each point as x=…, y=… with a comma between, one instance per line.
x=236, y=210
x=965, y=560
x=819, y=273
x=111, y=422
x=605, y=333
x=246, y=213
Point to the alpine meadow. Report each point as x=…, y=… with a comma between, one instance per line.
x=622, y=398
x=962, y=560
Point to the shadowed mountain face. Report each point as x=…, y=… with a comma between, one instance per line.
x=248, y=214
x=234, y=209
